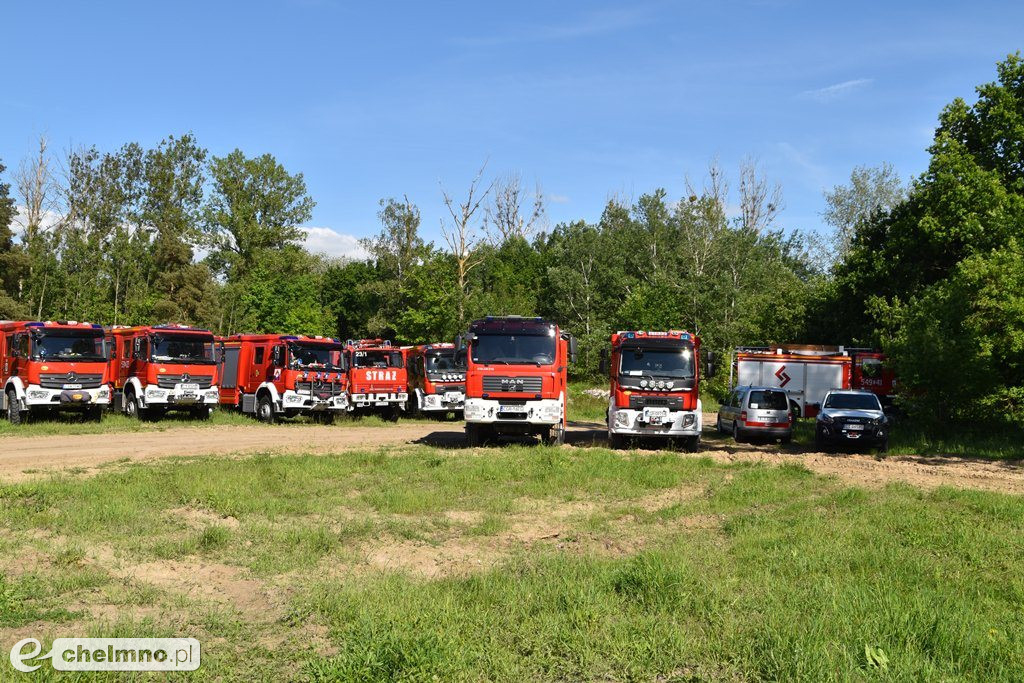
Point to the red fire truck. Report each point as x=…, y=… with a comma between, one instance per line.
x=155, y=369
x=377, y=379
x=437, y=379
x=654, y=387
x=277, y=375
x=50, y=366
x=808, y=372
x=516, y=378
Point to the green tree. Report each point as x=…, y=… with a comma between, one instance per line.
x=10, y=258
x=255, y=205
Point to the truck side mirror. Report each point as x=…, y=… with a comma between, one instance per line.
x=277, y=356
x=137, y=348
x=603, y=366
x=572, y=349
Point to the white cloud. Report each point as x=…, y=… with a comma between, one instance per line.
x=557, y=198
x=837, y=90
x=332, y=243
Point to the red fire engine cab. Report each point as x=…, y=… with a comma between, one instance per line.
x=654, y=387
x=437, y=379
x=275, y=375
x=808, y=372
x=516, y=376
x=159, y=368
x=50, y=366
x=377, y=378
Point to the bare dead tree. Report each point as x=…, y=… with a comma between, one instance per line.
x=760, y=201
x=463, y=236
x=505, y=218
x=38, y=190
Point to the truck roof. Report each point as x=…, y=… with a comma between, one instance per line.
x=653, y=336
x=49, y=324
x=280, y=337
x=511, y=324
x=184, y=329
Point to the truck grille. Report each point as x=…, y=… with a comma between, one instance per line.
x=320, y=389
x=57, y=381
x=670, y=402
x=168, y=381
x=526, y=385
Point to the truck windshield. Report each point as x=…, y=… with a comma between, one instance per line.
x=68, y=346
x=853, y=402
x=441, y=361
x=377, y=359
x=315, y=356
x=639, y=361
x=183, y=349
x=514, y=349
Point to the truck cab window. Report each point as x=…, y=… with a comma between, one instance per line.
x=260, y=353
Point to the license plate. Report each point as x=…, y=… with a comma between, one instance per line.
x=72, y=386
x=656, y=417
x=452, y=396
x=382, y=403
x=190, y=387
x=855, y=428
x=511, y=409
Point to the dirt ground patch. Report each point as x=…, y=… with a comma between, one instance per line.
x=23, y=458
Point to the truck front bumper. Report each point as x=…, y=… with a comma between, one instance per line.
x=178, y=397
x=448, y=401
x=293, y=400
x=540, y=412
x=37, y=396
x=646, y=422
x=378, y=400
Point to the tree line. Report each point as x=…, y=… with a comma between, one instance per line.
x=931, y=270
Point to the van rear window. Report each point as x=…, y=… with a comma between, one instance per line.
x=769, y=400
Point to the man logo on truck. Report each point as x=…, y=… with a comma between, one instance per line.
x=783, y=377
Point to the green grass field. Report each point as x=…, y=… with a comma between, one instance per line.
x=520, y=563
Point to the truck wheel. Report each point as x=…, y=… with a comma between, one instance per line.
x=94, y=414
x=265, y=409
x=472, y=435
x=201, y=413
x=13, y=409
x=691, y=444
x=616, y=441
x=555, y=436
x=323, y=418
x=132, y=408
x=391, y=415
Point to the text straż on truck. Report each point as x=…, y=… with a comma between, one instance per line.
x=377, y=378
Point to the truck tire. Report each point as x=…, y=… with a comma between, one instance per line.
x=691, y=444
x=94, y=414
x=616, y=441
x=265, y=409
x=392, y=414
x=555, y=436
x=201, y=413
x=132, y=408
x=323, y=418
x=472, y=435
x=13, y=408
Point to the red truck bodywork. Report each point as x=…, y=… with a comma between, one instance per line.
x=377, y=377
x=516, y=378
x=50, y=366
x=655, y=382
x=157, y=368
x=270, y=375
x=437, y=382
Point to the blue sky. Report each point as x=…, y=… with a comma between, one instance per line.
x=590, y=100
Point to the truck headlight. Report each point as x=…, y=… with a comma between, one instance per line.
x=153, y=392
x=621, y=419
x=103, y=392
x=689, y=419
